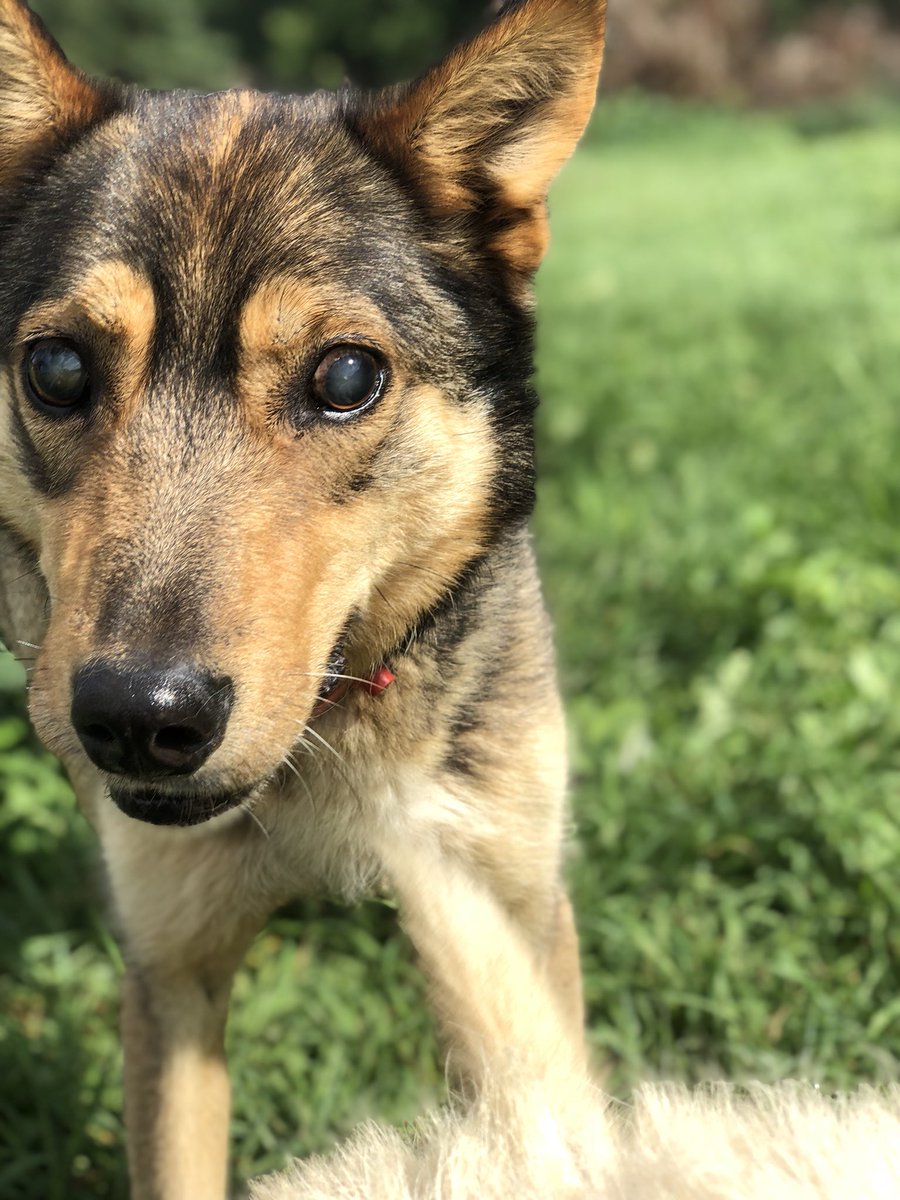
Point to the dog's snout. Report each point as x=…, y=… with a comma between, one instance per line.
x=146, y=721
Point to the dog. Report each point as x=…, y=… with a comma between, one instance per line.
x=538, y=1129
x=266, y=464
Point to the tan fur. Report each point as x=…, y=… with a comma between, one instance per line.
x=213, y=529
x=537, y=1129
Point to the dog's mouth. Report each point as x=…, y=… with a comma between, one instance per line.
x=180, y=808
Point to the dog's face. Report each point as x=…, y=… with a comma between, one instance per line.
x=266, y=385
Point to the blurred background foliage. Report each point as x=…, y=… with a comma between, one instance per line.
x=272, y=43
x=766, y=51
x=718, y=528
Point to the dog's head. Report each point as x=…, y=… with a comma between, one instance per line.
x=266, y=380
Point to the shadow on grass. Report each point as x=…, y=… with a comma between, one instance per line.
x=54, y=1142
x=59, y=1068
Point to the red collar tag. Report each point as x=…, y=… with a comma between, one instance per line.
x=378, y=682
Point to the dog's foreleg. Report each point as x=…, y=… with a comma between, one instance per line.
x=176, y=1084
x=490, y=990
x=188, y=905
x=563, y=966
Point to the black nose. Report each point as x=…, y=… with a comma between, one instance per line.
x=147, y=721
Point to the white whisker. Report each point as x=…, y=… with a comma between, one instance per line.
x=445, y=579
x=255, y=819
x=333, y=675
x=328, y=746
x=288, y=762
x=302, y=743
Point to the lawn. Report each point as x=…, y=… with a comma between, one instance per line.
x=718, y=526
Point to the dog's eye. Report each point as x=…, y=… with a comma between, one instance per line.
x=56, y=373
x=347, y=379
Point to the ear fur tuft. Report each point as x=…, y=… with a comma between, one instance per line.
x=495, y=121
x=43, y=99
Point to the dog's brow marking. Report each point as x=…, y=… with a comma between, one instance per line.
x=112, y=295
x=285, y=310
x=118, y=302
x=121, y=300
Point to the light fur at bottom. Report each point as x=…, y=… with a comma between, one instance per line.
x=525, y=1140
x=538, y=1129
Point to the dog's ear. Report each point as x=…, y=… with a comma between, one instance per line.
x=488, y=129
x=44, y=101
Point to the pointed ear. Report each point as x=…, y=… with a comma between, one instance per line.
x=44, y=101
x=492, y=125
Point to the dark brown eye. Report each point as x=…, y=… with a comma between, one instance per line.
x=347, y=379
x=56, y=374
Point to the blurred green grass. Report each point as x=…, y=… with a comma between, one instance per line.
x=717, y=524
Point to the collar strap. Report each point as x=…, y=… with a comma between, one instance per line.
x=379, y=681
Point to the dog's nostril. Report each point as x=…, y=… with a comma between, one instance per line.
x=99, y=733
x=179, y=739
